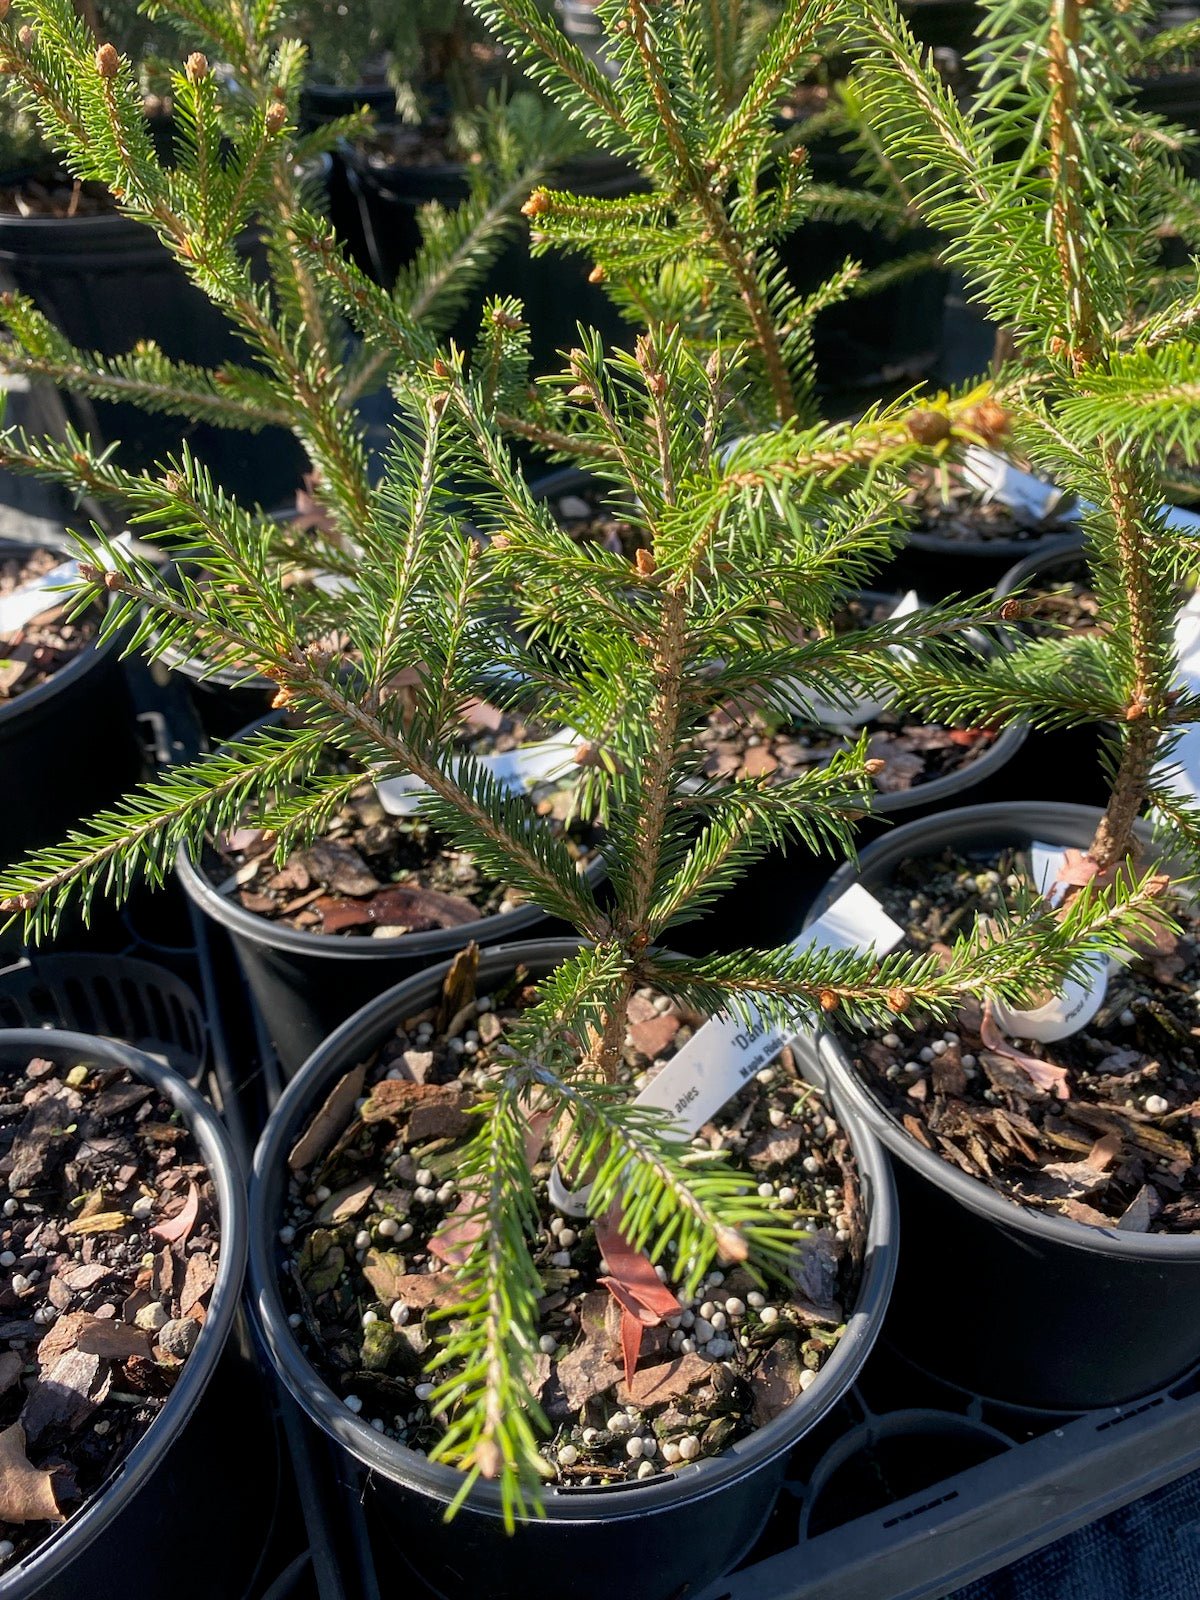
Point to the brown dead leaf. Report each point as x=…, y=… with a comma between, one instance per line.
x=177, y=1228
x=26, y=1492
x=329, y=1122
x=401, y=906
x=383, y=1270
x=339, y=867
x=653, y=1035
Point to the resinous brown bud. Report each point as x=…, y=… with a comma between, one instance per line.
x=108, y=62
x=276, y=117
x=928, y=427
x=196, y=66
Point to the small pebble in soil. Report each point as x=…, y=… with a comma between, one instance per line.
x=568, y=1456
x=547, y=1344
x=1156, y=1105
x=807, y=1378
x=670, y=1451
x=398, y=1314
x=152, y=1317
x=1127, y=1018
x=287, y=1235
x=369, y=1318
x=178, y=1337
x=646, y=1470
x=7, y=1259
x=424, y=1391
x=10, y=1208
x=6, y=1549
x=689, y=1447
x=769, y=1315
x=735, y=1307
x=389, y=1228
x=634, y=1448
x=353, y=1403
x=756, y=1299
x=142, y=1208
x=295, y=1320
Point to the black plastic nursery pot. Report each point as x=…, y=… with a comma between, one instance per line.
x=1016, y=1304
x=212, y=1445
x=67, y=746
x=1063, y=763
x=106, y=282
x=554, y=287
x=659, y=1541
x=305, y=984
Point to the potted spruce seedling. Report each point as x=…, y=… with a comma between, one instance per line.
x=703, y=255
x=256, y=174
x=123, y=1239
x=1054, y=1152
x=402, y=1190
x=427, y=142
x=971, y=520
x=104, y=280
x=524, y=1102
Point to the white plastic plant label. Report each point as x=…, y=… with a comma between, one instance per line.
x=997, y=478
x=723, y=1055
x=515, y=770
x=826, y=713
x=41, y=594
x=1182, y=774
x=1063, y=1014
x=1082, y=995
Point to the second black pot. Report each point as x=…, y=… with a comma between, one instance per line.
x=1059, y=763
x=67, y=747
x=657, y=1541
x=1014, y=1303
x=305, y=984
x=188, y=1511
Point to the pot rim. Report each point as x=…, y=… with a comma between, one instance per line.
x=952, y=827
x=1031, y=566
x=687, y=1481
x=38, y=699
x=24, y=1580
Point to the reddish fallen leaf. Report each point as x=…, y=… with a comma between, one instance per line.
x=26, y=1492
x=633, y=1283
x=1044, y=1074
x=400, y=907
x=177, y=1228
x=966, y=737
